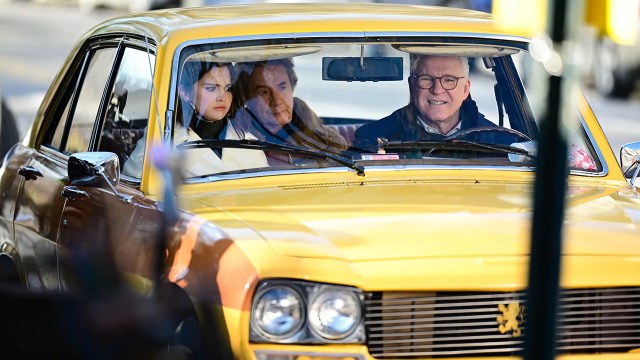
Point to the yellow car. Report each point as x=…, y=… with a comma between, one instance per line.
x=352, y=181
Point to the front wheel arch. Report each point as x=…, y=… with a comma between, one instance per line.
x=183, y=317
x=198, y=326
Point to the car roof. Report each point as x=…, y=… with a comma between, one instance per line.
x=314, y=18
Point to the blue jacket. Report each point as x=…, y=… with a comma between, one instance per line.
x=403, y=125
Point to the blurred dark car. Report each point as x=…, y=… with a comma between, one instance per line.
x=130, y=5
x=9, y=135
x=616, y=67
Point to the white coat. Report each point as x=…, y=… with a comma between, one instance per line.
x=203, y=161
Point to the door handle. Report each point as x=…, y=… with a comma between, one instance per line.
x=72, y=193
x=29, y=173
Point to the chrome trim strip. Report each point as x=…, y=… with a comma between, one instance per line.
x=430, y=319
x=309, y=354
x=385, y=355
x=432, y=306
x=435, y=325
x=468, y=309
x=423, y=333
x=517, y=295
x=53, y=154
x=609, y=346
x=130, y=180
x=605, y=166
x=499, y=39
x=586, y=326
x=456, y=345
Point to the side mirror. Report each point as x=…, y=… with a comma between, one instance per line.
x=94, y=168
x=630, y=160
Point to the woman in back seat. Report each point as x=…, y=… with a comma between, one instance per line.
x=207, y=102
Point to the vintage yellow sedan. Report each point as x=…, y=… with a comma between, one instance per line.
x=352, y=181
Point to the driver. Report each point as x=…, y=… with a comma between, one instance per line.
x=440, y=105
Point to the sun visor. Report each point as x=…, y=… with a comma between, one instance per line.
x=457, y=50
x=247, y=54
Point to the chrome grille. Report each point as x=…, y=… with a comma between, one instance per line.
x=447, y=324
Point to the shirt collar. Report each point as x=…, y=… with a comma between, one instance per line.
x=433, y=130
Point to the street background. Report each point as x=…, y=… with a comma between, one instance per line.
x=36, y=37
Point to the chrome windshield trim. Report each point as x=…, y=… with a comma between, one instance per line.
x=517, y=42
x=498, y=39
x=605, y=166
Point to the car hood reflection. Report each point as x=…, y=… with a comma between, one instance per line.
x=405, y=220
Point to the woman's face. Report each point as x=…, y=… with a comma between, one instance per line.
x=211, y=95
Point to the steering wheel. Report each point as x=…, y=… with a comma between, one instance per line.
x=487, y=129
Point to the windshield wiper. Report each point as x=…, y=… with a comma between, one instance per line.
x=453, y=145
x=265, y=145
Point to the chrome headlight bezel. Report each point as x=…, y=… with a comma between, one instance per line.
x=333, y=297
x=311, y=293
x=256, y=312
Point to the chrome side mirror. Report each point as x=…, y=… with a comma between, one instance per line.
x=630, y=161
x=94, y=168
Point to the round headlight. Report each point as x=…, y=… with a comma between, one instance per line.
x=334, y=314
x=278, y=312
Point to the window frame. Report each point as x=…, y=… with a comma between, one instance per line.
x=68, y=90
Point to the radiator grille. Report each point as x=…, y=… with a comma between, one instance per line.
x=447, y=324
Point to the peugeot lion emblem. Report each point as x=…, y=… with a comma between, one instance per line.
x=511, y=319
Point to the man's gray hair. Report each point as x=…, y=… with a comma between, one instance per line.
x=416, y=61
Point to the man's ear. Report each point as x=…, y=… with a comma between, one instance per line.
x=467, y=87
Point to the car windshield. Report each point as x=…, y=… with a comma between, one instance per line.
x=257, y=107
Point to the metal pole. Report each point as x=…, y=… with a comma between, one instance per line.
x=549, y=202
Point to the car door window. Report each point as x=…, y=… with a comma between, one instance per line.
x=89, y=101
x=89, y=96
x=128, y=108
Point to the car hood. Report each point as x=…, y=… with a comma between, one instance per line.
x=395, y=220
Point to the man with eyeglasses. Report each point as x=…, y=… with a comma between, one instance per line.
x=440, y=105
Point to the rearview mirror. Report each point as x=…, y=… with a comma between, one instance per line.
x=362, y=68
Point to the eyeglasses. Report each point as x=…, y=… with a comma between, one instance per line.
x=448, y=82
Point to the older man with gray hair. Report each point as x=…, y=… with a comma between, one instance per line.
x=440, y=105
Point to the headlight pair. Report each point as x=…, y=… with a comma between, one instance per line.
x=302, y=312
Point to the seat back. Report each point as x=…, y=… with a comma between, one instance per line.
x=124, y=141
x=346, y=130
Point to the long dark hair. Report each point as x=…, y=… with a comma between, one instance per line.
x=192, y=72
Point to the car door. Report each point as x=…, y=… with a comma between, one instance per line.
x=43, y=169
x=49, y=210
x=102, y=226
